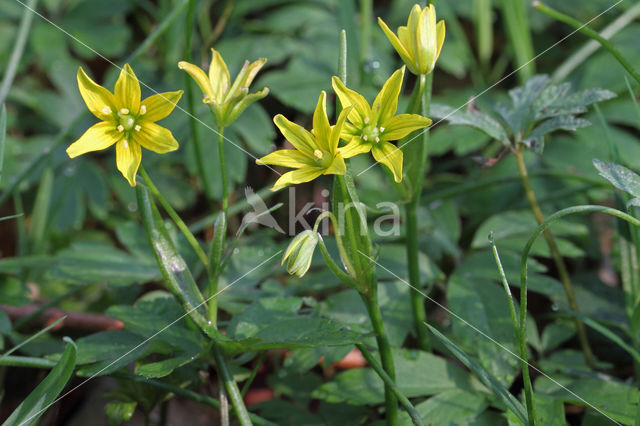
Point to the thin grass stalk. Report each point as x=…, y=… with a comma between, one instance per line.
x=18, y=49
x=559, y=16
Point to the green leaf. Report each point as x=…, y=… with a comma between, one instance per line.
x=119, y=412
x=489, y=380
x=615, y=399
x=451, y=407
x=162, y=368
x=472, y=117
x=276, y=323
x=30, y=410
x=417, y=374
x=619, y=176
x=566, y=122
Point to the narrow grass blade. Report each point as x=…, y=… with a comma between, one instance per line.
x=30, y=410
x=606, y=333
x=485, y=377
x=3, y=136
x=35, y=336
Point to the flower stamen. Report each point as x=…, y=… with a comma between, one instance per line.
x=120, y=128
x=137, y=128
x=106, y=110
x=143, y=109
x=124, y=111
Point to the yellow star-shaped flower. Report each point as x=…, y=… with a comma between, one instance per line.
x=370, y=128
x=127, y=122
x=226, y=100
x=316, y=152
x=420, y=41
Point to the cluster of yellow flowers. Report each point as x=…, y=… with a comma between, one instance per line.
x=129, y=123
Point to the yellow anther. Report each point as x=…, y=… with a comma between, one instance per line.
x=124, y=111
x=125, y=143
x=381, y=129
x=365, y=137
x=106, y=110
x=377, y=139
x=143, y=109
x=120, y=128
x=366, y=120
x=137, y=128
x=317, y=153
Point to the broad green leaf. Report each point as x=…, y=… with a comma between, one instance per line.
x=276, y=323
x=347, y=308
x=162, y=368
x=417, y=374
x=119, y=412
x=612, y=398
x=566, y=122
x=30, y=410
x=105, y=345
x=482, y=310
x=619, y=176
x=472, y=117
x=451, y=407
x=485, y=376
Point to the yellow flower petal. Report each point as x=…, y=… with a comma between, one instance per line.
x=298, y=137
x=160, y=105
x=200, y=78
x=237, y=109
x=337, y=167
x=386, y=103
x=425, y=36
x=305, y=174
x=349, y=131
x=412, y=30
x=350, y=97
x=321, y=126
x=401, y=125
x=97, y=137
x=440, y=29
x=219, y=76
x=98, y=99
x=354, y=147
x=391, y=156
x=155, y=138
x=336, y=130
x=246, y=75
x=127, y=91
x=397, y=44
x=287, y=158
x=128, y=158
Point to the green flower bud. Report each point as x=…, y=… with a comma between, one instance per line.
x=300, y=252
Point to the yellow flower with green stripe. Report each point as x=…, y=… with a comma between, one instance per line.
x=226, y=100
x=127, y=122
x=371, y=128
x=420, y=41
x=316, y=153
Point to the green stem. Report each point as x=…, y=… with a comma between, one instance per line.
x=368, y=356
x=341, y=249
x=517, y=26
x=521, y=338
x=185, y=393
x=349, y=226
x=391, y=401
x=411, y=210
x=580, y=55
x=175, y=217
x=223, y=172
x=484, y=31
x=18, y=49
x=366, y=18
x=555, y=254
x=62, y=136
x=254, y=373
x=579, y=26
x=231, y=387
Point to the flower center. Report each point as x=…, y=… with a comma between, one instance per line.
x=127, y=121
x=322, y=158
x=371, y=134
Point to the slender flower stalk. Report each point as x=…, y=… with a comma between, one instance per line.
x=555, y=254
